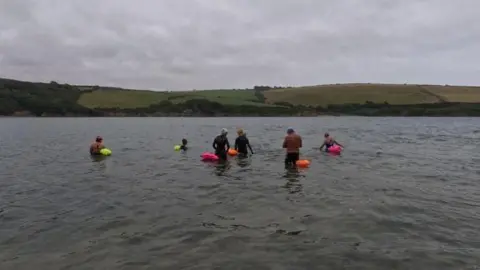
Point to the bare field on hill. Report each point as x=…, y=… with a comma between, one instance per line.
x=377, y=93
x=470, y=94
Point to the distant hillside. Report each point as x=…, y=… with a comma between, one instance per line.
x=40, y=99
x=54, y=99
x=321, y=95
x=394, y=94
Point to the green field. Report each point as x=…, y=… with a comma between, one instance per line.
x=138, y=98
x=121, y=98
x=395, y=94
x=377, y=93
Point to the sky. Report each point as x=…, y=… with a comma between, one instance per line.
x=219, y=44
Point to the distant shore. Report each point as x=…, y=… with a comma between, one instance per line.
x=32, y=99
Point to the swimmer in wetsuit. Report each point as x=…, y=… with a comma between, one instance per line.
x=221, y=145
x=96, y=146
x=184, y=145
x=241, y=143
x=329, y=142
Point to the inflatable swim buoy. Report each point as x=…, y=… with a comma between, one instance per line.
x=232, y=152
x=207, y=156
x=177, y=148
x=105, y=152
x=334, y=149
x=303, y=163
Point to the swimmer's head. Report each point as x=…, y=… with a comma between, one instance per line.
x=224, y=132
x=326, y=134
x=184, y=141
x=240, y=132
x=290, y=130
x=99, y=139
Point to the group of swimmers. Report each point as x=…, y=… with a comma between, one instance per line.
x=292, y=144
x=221, y=145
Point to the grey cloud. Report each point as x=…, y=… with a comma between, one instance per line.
x=201, y=44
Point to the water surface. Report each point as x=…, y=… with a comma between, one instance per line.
x=405, y=194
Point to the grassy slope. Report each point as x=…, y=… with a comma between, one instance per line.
x=136, y=98
x=378, y=93
x=309, y=95
x=456, y=93
x=121, y=98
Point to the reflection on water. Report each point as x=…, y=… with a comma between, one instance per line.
x=222, y=167
x=243, y=161
x=293, y=184
x=404, y=194
x=98, y=158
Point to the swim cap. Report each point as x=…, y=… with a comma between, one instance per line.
x=224, y=131
x=290, y=130
x=326, y=134
x=99, y=139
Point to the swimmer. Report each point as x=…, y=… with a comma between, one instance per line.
x=96, y=146
x=329, y=142
x=184, y=144
x=221, y=145
x=242, y=142
x=292, y=143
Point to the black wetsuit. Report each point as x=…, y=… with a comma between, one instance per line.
x=183, y=147
x=241, y=144
x=329, y=144
x=219, y=145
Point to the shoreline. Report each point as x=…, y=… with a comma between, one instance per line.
x=248, y=116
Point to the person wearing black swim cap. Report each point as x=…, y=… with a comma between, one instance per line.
x=184, y=144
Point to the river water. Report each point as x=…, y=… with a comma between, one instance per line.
x=405, y=194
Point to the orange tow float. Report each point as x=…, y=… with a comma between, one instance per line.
x=303, y=163
x=232, y=152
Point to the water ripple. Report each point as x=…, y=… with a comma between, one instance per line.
x=403, y=195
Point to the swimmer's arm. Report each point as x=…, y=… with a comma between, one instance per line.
x=323, y=144
x=301, y=143
x=228, y=145
x=249, y=146
x=214, y=145
x=284, y=143
x=236, y=144
x=338, y=143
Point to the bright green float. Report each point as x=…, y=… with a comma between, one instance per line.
x=106, y=152
x=177, y=147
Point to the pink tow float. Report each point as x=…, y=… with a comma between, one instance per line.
x=334, y=149
x=208, y=156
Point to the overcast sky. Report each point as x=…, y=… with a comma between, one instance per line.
x=201, y=44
